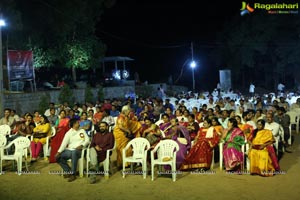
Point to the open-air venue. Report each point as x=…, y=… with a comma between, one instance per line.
x=128, y=99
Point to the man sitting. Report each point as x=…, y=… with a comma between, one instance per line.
x=101, y=142
x=73, y=143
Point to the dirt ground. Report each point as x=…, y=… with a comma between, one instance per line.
x=217, y=185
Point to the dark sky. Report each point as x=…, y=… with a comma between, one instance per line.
x=158, y=34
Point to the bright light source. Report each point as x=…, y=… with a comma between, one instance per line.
x=193, y=64
x=117, y=74
x=2, y=22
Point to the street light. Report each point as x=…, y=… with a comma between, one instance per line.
x=193, y=65
x=2, y=23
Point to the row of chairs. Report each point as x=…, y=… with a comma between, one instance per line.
x=165, y=150
x=21, y=150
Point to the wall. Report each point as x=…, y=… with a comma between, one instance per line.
x=28, y=102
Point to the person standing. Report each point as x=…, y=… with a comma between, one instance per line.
x=251, y=89
x=73, y=143
x=126, y=129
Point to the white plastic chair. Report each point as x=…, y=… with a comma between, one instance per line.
x=5, y=130
x=243, y=148
x=295, y=117
x=106, y=163
x=166, y=155
x=80, y=163
x=140, y=146
x=21, y=146
x=3, y=141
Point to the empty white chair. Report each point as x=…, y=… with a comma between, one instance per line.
x=21, y=146
x=295, y=117
x=5, y=129
x=166, y=155
x=139, y=146
x=106, y=163
x=3, y=141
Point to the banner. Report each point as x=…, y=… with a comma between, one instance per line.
x=20, y=65
x=225, y=79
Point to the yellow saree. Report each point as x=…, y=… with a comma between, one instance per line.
x=121, y=139
x=260, y=160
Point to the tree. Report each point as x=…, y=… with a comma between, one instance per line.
x=250, y=46
x=59, y=32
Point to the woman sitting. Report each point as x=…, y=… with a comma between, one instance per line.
x=181, y=135
x=192, y=126
x=62, y=126
x=40, y=133
x=263, y=160
x=201, y=153
x=151, y=132
x=85, y=123
x=233, y=140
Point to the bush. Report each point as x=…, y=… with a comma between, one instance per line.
x=89, y=97
x=66, y=95
x=44, y=103
x=100, y=93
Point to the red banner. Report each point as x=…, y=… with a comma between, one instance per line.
x=20, y=65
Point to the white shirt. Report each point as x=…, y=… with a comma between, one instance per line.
x=274, y=127
x=74, y=139
x=251, y=88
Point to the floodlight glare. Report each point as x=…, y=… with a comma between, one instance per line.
x=193, y=64
x=2, y=22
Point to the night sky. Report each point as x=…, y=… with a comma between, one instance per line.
x=158, y=35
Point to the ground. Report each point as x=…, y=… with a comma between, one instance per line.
x=218, y=185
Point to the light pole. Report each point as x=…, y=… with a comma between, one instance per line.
x=193, y=65
x=2, y=23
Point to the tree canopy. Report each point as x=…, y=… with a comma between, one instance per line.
x=60, y=33
x=261, y=47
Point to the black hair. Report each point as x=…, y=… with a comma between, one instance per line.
x=45, y=118
x=72, y=122
x=234, y=122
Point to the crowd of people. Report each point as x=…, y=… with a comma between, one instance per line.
x=198, y=130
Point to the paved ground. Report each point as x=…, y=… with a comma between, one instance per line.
x=218, y=185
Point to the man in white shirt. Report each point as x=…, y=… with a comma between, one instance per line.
x=273, y=126
x=251, y=89
x=73, y=143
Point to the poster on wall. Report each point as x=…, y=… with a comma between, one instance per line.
x=20, y=65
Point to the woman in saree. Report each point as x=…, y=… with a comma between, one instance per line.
x=200, y=155
x=181, y=135
x=62, y=126
x=166, y=124
x=233, y=140
x=125, y=129
x=40, y=134
x=263, y=160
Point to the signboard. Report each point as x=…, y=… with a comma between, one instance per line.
x=225, y=79
x=20, y=65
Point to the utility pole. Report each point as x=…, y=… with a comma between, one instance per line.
x=2, y=23
x=193, y=67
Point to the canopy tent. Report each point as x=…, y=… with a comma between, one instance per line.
x=115, y=59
